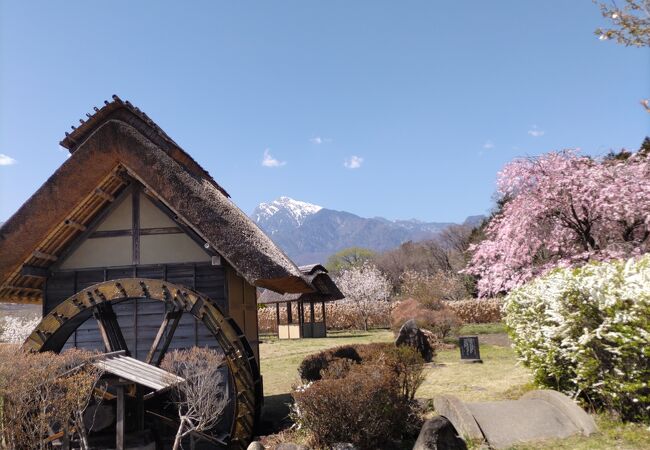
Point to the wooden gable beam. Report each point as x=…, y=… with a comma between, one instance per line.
x=35, y=272
x=178, y=221
x=105, y=195
x=76, y=225
x=92, y=226
x=42, y=255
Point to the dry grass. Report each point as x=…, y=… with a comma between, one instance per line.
x=498, y=378
x=280, y=358
x=613, y=436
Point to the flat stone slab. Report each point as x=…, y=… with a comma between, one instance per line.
x=506, y=423
x=538, y=415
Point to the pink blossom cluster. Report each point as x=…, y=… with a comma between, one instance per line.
x=563, y=209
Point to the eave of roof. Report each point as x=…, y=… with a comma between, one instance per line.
x=318, y=277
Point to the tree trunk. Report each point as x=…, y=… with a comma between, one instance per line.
x=179, y=434
x=83, y=438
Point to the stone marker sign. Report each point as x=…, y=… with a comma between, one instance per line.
x=469, y=350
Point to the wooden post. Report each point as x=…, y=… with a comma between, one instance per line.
x=135, y=224
x=289, y=318
x=301, y=317
x=119, y=421
x=65, y=442
x=313, y=318
x=324, y=321
x=277, y=318
x=139, y=402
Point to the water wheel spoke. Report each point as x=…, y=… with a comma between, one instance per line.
x=109, y=328
x=55, y=329
x=164, y=337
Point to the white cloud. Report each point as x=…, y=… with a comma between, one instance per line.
x=270, y=161
x=488, y=145
x=319, y=140
x=6, y=160
x=353, y=162
x=536, y=132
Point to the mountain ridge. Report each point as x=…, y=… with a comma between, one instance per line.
x=310, y=233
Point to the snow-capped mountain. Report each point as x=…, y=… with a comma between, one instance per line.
x=282, y=213
x=309, y=233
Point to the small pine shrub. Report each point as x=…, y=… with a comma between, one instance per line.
x=586, y=332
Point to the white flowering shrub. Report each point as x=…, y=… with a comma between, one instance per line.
x=16, y=329
x=367, y=289
x=586, y=332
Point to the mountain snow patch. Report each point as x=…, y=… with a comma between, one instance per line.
x=297, y=210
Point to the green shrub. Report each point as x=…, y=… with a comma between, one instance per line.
x=363, y=395
x=365, y=408
x=404, y=362
x=441, y=321
x=311, y=367
x=407, y=365
x=586, y=332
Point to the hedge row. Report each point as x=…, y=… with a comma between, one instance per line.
x=341, y=315
x=477, y=310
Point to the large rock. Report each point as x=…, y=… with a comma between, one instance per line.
x=439, y=434
x=255, y=445
x=411, y=335
x=536, y=416
x=290, y=446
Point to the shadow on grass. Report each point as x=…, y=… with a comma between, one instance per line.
x=337, y=336
x=275, y=414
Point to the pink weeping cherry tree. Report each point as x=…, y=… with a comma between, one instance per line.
x=563, y=209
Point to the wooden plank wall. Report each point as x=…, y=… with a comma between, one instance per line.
x=242, y=304
x=141, y=318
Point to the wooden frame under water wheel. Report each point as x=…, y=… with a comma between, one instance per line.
x=53, y=332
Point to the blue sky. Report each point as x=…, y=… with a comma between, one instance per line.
x=422, y=101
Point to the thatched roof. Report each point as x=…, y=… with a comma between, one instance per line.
x=317, y=276
x=115, y=143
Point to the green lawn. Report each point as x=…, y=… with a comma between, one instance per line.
x=279, y=359
x=499, y=377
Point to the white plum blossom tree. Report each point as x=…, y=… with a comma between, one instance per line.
x=366, y=288
x=15, y=330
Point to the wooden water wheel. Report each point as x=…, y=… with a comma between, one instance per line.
x=97, y=303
